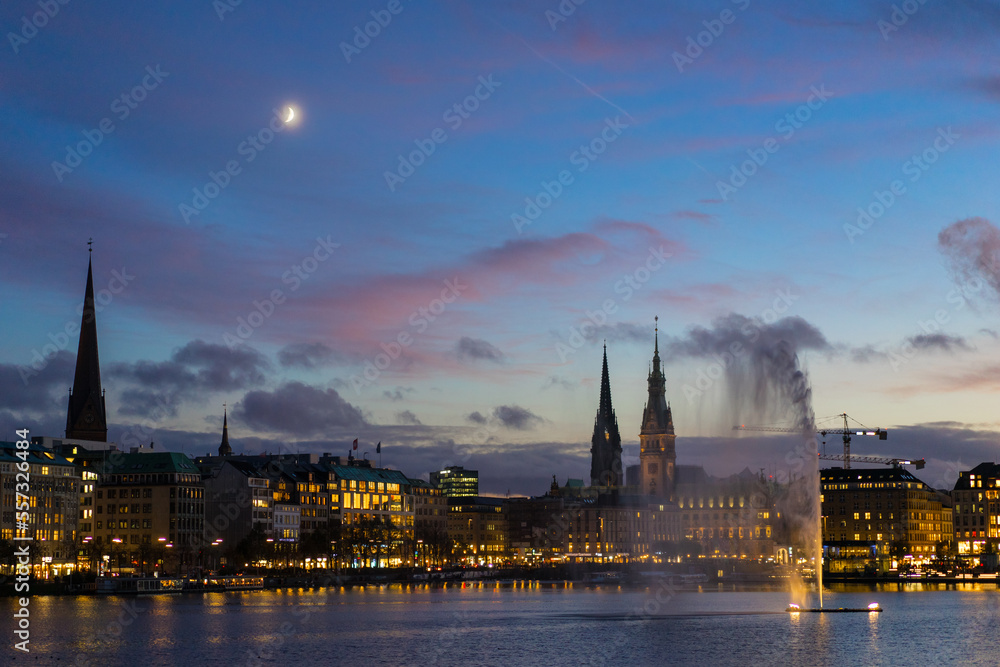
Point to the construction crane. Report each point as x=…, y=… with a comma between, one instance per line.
x=896, y=463
x=846, y=432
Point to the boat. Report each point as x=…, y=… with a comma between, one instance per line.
x=873, y=608
x=139, y=586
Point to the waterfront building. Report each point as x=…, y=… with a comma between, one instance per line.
x=53, y=498
x=148, y=503
x=977, y=510
x=237, y=503
x=735, y=517
x=478, y=527
x=606, y=442
x=430, y=523
x=881, y=517
x=456, y=482
x=656, y=438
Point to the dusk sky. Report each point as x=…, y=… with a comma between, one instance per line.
x=470, y=201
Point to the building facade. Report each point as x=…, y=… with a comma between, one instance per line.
x=885, y=515
x=456, y=482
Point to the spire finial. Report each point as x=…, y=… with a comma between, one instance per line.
x=90, y=245
x=656, y=334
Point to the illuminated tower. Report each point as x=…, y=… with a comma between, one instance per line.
x=656, y=438
x=606, y=445
x=86, y=418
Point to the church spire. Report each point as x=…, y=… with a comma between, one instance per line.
x=606, y=443
x=86, y=418
x=604, y=408
x=224, y=448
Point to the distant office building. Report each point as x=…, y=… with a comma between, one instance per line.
x=457, y=482
x=882, y=515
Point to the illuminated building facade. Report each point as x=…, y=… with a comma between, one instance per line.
x=53, y=498
x=882, y=514
x=456, y=482
x=478, y=528
x=977, y=510
x=735, y=517
x=148, y=501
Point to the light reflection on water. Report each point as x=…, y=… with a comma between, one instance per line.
x=491, y=625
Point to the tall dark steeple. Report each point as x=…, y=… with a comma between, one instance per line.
x=224, y=448
x=656, y=437
x=86, y=418
x=606, y=445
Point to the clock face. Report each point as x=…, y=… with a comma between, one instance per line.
x=89, y=418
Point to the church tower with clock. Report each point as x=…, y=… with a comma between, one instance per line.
x=86, y=418
x=656, y=438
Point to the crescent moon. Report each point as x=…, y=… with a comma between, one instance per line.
x=291, y=115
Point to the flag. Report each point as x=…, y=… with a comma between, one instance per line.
x=378, y=447
x=355, y=444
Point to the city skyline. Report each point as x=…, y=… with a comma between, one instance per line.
x=569, y=175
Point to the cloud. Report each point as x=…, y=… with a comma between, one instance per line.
x=867, y=354
x=407, y=417
x=298, y=409
x=396, y=395
x=697, y=216
x=25, y=388
x=475, y=349
x=195, y=370
x=306, y=355
x=701, y=342
x=943, y=342
x=557, y=381
x=621, y=332
x=476, y=417
x=971, y=248
x=516, y=417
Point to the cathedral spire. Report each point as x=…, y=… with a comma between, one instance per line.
x=604, y=408
x=86, y=418
x=224, y=448
x=606, y=444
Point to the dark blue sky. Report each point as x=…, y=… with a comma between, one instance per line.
x=471, y=185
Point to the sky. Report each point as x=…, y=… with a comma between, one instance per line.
x=472, y=198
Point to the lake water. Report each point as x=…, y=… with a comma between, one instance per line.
x=491, y=625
